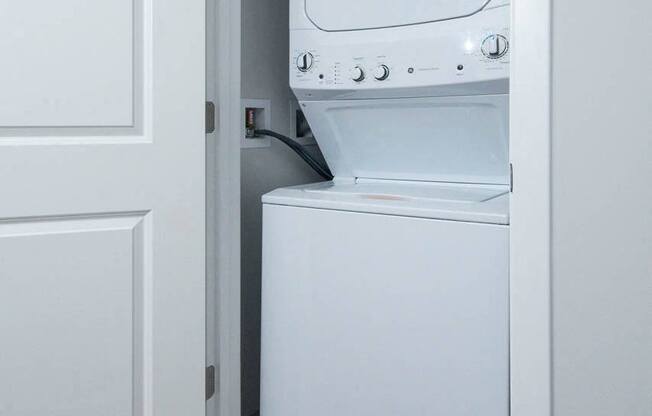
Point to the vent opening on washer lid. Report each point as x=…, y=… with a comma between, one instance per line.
x=345, y=15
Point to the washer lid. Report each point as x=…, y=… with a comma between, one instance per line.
x=345, y=15
x=487, y=204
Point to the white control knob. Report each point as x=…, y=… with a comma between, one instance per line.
x=495, y=46
x=357, y=74
x=305, y=61
x=381, y=73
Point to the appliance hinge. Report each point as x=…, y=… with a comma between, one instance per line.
x=210, y=117
x=511, y=178
x=211, y=381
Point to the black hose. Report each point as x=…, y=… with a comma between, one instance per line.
x=322, y=170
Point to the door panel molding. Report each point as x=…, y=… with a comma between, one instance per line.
x=88, y=278
x=85, y=89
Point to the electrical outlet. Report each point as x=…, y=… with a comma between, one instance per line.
x=262, y=114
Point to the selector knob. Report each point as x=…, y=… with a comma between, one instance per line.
x=305, y=61
x=357, y=74
x=495, y=46
x=381, y=73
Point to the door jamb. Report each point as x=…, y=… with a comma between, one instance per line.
x=223, y=187
x=531, y=209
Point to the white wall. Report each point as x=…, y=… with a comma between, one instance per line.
x=265, y=58
x=602, y=208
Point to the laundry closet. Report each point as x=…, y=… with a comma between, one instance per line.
x=414, y=280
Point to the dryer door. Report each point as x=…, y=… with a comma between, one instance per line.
x=344, y=15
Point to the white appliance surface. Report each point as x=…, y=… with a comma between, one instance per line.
x=422, y=102
x=421, y=60
x=380, y=315
x=455, y=202
x=385, y=292
x=366, y=14
x=445, y=139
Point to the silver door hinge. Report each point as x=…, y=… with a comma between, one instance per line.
x=511, y=178
x=210, y=117
x=211, y=380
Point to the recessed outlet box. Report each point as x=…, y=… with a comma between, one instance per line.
x=299, y=128
x=262, y=112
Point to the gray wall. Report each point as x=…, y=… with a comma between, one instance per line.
x=264, y=76
x=602, y=208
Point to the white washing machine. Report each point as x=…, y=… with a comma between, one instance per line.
x=385, y=292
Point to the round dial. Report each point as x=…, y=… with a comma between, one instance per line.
x=305, y=61
x=495, y=46
x=357, y=74
x=381, y=73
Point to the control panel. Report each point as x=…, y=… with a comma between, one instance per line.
x=450, y=59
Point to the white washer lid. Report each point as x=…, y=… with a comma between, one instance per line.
x=345, y=15
x=445, y=201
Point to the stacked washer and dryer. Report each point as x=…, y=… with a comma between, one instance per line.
x=385, y=291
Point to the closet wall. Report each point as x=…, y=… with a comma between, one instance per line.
x=265, y=59
x=602, y=209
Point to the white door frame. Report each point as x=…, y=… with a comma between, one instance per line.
x=530, y=148
x=530, y=253
x=223, y=270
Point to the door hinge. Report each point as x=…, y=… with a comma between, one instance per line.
x=210, y=117
x=511, y=178
x=211, y=380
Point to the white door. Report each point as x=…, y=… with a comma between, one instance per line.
x=102, y=207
